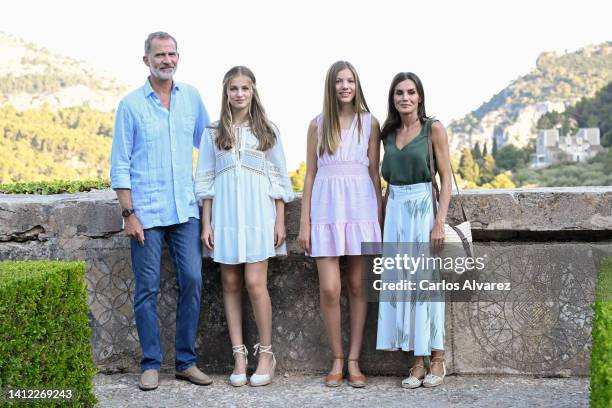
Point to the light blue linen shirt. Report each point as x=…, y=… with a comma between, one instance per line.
x=152, y=153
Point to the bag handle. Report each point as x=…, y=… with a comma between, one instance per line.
x=432, y=158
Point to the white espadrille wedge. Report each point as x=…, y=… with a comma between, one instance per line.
x=412, y=381
x=432, y=380
x=258, y=380
x=238, y=380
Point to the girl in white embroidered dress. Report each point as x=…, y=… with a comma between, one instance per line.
x=242, y=183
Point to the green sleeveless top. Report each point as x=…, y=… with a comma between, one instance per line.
x=409, y=165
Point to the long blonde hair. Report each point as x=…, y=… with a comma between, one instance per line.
x=260, y=125
x=330, y=131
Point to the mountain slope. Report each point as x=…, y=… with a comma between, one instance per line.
x=43, y=144
x=558, y=81
x=31, y=76
x=56, y=115
x=589, y=112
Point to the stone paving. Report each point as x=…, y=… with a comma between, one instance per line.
x=296, y=390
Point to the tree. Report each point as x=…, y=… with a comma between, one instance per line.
x=476, y=152
x=468, y=168
x=297, y=177
x=42, y=145
x=606, y=138
x=484, y=150
x=488, y=169
x=511, y=157
x=494, y=150
x=502, y=180
x=554, y=120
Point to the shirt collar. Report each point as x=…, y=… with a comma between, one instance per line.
x=148, y=89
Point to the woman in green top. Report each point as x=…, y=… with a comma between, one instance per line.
x=407, y=323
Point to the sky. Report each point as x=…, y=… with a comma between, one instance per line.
x=463, y=51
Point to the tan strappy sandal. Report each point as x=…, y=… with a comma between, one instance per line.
x=335, y=380
x=357, y=381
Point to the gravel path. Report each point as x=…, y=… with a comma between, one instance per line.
x=295, y=390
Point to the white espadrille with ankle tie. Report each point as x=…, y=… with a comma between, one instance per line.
x=412, y=381
x=432, y=380
x=258, y=380
x=238, y=380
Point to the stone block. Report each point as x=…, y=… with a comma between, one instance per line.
x=542, y=325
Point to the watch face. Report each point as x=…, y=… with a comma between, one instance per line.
x=127, y=212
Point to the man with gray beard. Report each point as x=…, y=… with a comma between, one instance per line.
x=156, y=128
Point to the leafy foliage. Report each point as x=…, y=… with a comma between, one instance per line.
x=601, y=355
x=594, y=172
x=468, y=168
x=589, y=112
x=502, y=180
x=41, y=144
x=54, y=187
x=477, y=153
x=37, y=83
x=297, y=177
x=488, y=169
x=511, y=157
x=554, y=119
x=45, y=335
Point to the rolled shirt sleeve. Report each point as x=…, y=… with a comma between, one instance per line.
x=121, y=152
x=205, y=171
x=202, y=120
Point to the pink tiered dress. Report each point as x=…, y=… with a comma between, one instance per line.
x=343, y=211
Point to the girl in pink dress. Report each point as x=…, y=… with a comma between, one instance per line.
x=341, y=207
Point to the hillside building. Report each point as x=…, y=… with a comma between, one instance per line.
x=552, y=148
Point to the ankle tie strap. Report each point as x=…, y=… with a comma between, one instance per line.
x=241, y=349
x=262, y=349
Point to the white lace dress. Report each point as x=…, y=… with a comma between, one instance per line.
x=243, y=184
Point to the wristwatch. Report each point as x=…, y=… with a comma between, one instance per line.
x=127, y=212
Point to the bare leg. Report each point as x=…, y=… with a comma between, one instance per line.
x=329, y=292
x=231, y=278
x=436, y=366
x=256, y=277
x=418, y=369
x=359, y=309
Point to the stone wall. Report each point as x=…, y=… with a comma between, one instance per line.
x=547, y=242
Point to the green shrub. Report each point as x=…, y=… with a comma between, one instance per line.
x=44, y=330
x=601, y=356
x=54, y=187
